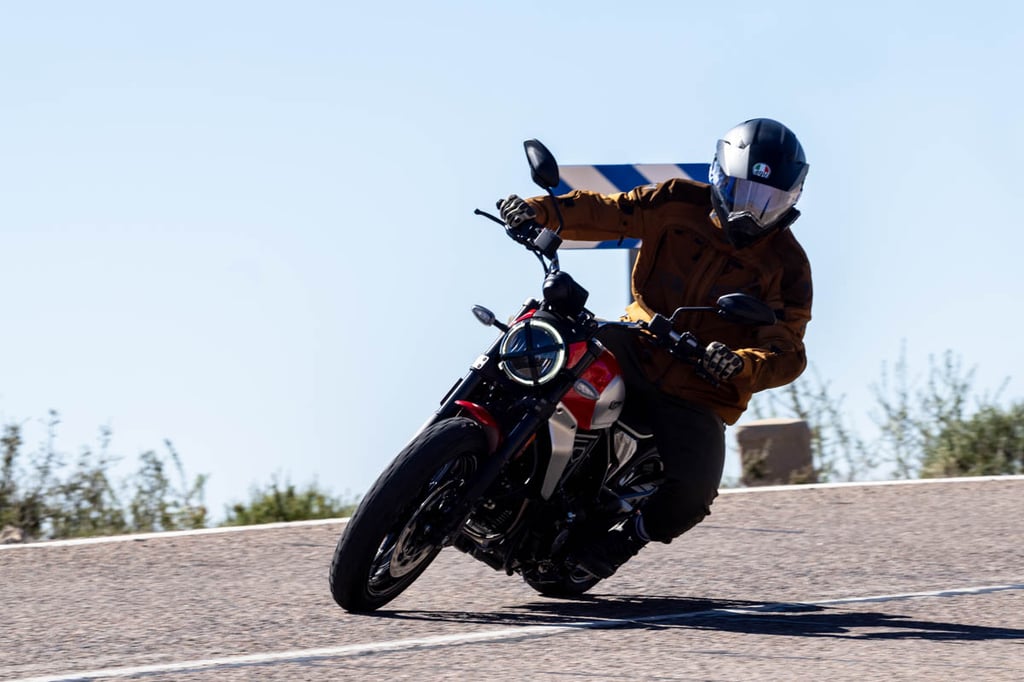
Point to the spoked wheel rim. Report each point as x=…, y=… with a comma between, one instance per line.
x=419, y=533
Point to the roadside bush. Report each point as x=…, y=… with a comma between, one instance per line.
x=44, y=496
x=991, y=442
x=157, y=504
x=277, y=502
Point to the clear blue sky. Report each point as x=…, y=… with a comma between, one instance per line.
x=247, y=226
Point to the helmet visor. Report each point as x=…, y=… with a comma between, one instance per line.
x=761, y=203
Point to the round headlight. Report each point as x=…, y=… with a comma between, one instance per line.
x=532, y=352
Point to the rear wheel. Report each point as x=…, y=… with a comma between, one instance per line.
x=566, y=583
x=402, y=522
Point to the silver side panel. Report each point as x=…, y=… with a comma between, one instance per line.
x=562, y=427
x=609, y=405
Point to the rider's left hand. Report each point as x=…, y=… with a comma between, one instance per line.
x=721, y=362
x=515, y=212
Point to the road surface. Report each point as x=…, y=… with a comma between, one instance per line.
x=920, y=581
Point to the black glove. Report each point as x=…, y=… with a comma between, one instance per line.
x=516, y=212
x=721, y=362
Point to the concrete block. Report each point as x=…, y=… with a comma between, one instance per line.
x=775, y=452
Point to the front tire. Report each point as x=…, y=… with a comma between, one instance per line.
x=399, y=526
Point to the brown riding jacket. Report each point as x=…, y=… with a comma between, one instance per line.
x=685, y=261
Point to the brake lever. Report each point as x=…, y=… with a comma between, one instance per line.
x=485, y=214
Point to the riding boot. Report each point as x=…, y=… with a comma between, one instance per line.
x=603, y=557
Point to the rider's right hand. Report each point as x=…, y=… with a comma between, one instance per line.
x=721, y=362
x=516, y=212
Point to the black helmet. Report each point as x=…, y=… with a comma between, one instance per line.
x=756, y=179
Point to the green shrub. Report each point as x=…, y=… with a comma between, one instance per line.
x=46, y=498
x=276, y=503
x=991, y=442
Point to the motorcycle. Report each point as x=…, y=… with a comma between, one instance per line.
x=532, y=454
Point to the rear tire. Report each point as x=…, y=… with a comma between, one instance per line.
x=397, y=530
x=566, y=586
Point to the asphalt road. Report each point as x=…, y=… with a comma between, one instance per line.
x=895, y=582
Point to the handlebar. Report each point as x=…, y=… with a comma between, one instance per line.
x=683, y=346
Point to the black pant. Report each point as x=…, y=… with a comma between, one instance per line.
x=690, y=439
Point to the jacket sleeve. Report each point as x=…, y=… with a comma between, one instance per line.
x=780, y=356
x=589, y=216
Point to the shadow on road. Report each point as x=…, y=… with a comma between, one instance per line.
x=760, y=618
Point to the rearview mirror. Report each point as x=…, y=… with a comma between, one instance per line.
x=745, y=309
x=543, y=167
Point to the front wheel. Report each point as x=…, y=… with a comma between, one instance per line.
x=402, y=522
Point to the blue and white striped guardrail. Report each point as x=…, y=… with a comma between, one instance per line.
x=612, y=178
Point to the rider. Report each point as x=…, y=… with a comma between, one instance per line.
x=699, y=242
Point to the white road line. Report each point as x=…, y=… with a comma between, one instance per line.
x=325, y=522
x=506, y=634
x=869, y=484
x=164, y=535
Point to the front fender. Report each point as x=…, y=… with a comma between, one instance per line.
x=487, y=422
